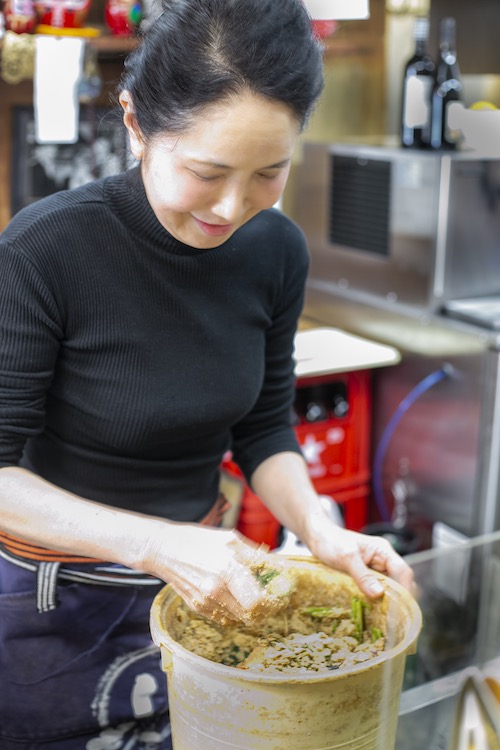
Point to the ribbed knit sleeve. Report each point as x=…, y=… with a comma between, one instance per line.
x=30, y=332
x=267, y=429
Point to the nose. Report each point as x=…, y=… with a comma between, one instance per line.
x=231, y=202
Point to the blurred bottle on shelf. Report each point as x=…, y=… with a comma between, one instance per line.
x=418, y=82
x=447, y=104
x=337, y=400
x=320, y=403
x=315, y=405
x=310, y=405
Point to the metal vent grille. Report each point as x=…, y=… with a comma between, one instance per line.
x=359, y=203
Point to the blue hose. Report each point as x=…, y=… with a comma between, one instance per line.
x=404, y=405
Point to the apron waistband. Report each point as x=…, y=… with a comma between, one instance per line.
x=20, y=547
x=49, y=573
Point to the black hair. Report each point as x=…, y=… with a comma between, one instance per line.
x=198, y=52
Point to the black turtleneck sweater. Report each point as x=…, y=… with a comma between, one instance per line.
x=129, y=362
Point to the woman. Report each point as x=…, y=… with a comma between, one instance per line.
x=146, y=327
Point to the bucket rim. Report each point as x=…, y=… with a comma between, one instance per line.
x=165, y=641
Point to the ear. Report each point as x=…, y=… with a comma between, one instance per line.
x=130, y=121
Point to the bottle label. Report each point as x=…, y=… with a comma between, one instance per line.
x=453, y=121
x=417, y=102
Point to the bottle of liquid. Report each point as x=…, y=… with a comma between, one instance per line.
x=315, y=405
x=418, y=83
x=337, y=400
x=447, y=93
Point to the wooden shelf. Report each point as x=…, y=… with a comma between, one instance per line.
x=107, y=44
x=347, y=48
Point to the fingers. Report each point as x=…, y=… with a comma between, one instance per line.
x=246, y=550
x=220, y=609
x=249, y=586
x=364, y=577
x=227, y=590
x=377, y=554
x=398, y=569
x=363, y=556
x=244, y=587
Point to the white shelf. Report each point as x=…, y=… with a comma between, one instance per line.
x=321, y=351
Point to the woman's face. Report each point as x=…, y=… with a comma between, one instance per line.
x=232, y=163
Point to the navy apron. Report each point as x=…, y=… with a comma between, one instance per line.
x=78, y=668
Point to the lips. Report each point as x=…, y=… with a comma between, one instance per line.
x=213, y=230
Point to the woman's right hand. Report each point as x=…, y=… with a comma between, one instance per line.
x=211, y=569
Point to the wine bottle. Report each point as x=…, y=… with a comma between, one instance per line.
x=337, y=400
x=447, y=93
x=315, y=406
x=418, y=82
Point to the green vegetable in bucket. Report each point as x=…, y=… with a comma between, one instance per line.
x=266, y=576
x=319, y=613
x=376, y=634
x=358, y=617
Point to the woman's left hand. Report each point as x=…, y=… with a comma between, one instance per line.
x=359, y=555
x=283, y=482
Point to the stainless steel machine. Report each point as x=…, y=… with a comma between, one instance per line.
x=405, y=249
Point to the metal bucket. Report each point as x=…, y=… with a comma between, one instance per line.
x=216, y=707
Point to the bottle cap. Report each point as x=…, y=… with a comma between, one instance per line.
x=447, y=29
x=421, y=29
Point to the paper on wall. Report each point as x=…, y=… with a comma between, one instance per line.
x=58, y=69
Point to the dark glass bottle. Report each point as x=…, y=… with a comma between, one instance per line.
x=315, y=405
x=337, y=400
x=447, y=90
x=418, y=83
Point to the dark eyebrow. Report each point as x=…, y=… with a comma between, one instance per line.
x=278, y=165
x=216, y=164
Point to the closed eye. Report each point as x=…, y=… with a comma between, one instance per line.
x=268, y=176
x=205, y=177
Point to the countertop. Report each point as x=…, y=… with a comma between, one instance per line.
x=325, y=350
